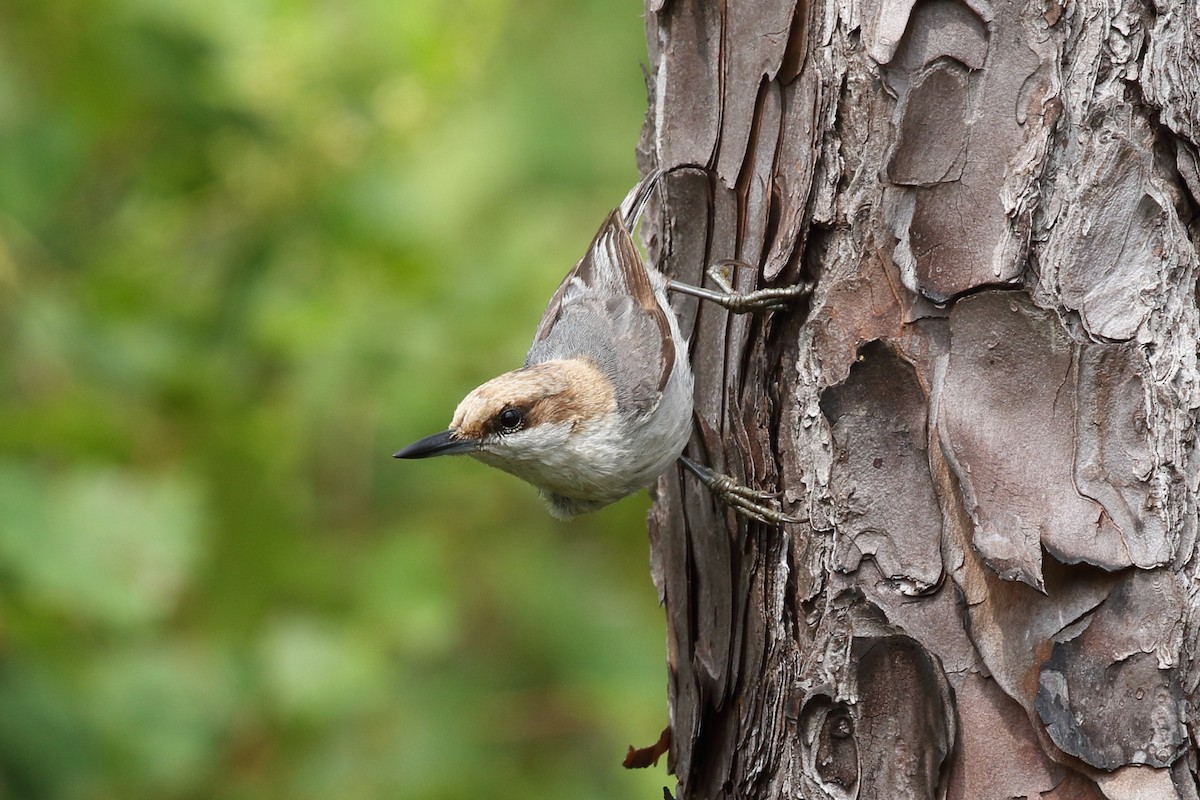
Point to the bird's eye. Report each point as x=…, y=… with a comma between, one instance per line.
x=510, y=419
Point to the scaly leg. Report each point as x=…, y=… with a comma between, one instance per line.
x=750, y=503
x=770, y=299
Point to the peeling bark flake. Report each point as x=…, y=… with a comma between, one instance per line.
x=1011, y=426
x=1108, y=693
x=881, y=486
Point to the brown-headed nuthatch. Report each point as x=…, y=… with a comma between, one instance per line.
x=603, y=405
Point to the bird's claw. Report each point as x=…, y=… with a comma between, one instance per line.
x=750, y=503
x=770, y=299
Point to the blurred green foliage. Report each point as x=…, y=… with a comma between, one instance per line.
x=247, y=250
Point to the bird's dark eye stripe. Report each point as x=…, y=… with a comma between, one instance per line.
x=510, y=419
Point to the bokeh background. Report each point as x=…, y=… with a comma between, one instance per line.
x=249, y=248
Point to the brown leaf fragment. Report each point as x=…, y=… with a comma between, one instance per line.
x=642, y=757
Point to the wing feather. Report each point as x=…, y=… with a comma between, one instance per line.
x=611, y=309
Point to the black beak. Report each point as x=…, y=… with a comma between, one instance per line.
x=445, y=443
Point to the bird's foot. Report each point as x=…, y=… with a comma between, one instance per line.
x=754, y=504
x=769, y=299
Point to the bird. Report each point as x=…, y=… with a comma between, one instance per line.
x=603, y=403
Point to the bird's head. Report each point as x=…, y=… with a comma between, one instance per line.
x=526, y=422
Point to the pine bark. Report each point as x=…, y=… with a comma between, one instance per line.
x=987, y=410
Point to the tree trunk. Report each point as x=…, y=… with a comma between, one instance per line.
x=987, y=409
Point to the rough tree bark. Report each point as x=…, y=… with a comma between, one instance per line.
x=987, y=409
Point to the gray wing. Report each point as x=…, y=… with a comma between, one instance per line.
x=606, y=270
x=607, y=310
